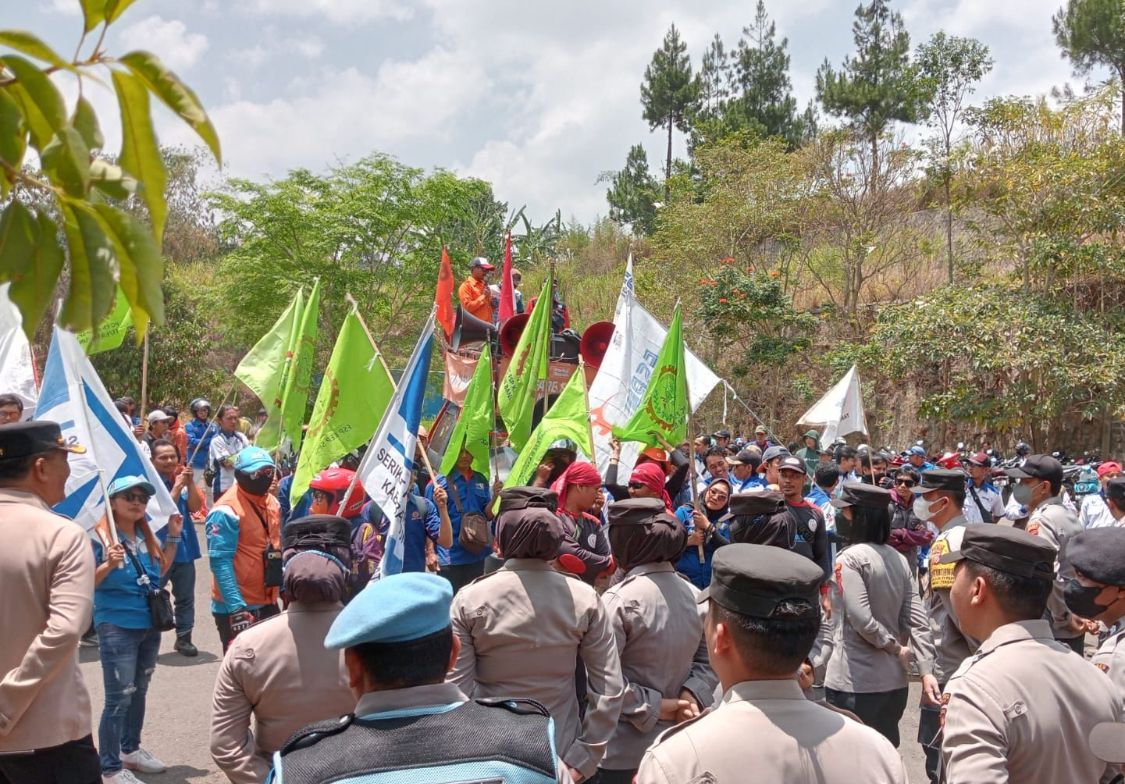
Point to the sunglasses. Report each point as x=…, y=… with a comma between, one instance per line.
x=263, y=473
x=138, y=497
x=905, y=483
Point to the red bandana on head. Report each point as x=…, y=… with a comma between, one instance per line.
x=651, y=476
x=577, y=473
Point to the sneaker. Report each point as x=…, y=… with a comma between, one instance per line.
x=121, y=777
x=143, y=761
x=184, y=647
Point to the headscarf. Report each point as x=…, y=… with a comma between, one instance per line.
x=313, y=576
x=714, y=514
x=652, y=476
x=577, y=473
x=532, y=532
x=663, y=538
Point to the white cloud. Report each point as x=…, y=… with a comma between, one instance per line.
x=336, y=11
x=310, y=47
x=178, y=48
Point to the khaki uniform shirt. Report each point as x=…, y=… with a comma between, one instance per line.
x=944, y=641
x=46, y=599
x=522, y=630
x=767, y=731
x=658, y=626
x=876, y=609
x=279, y=672
x=1110, y=659
x=1021, y=709
x=1055, y=523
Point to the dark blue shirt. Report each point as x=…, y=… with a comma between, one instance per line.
x=422, y=522
x=689, y=565
x=475, y=497
x=120, y=599
x=199, y=434
x=188, y=549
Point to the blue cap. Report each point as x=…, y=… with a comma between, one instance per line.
x=398, y=608
x=123, y=483
x=917, y=450
x=251, y=459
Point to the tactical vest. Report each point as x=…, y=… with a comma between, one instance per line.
x=488, y=740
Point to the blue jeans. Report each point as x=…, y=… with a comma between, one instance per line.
x=128, y=658
x=182, y=578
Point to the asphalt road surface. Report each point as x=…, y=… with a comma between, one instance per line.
x=178, y=713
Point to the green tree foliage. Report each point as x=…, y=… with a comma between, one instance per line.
x=1092, y=33
x=633, y=192
x=669, y=90
x=951, y=67
x=878, y=85
x=76, y=197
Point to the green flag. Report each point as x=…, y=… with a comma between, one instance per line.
x=664, y=408
x=516, y=396
x=264, y=367
x=111, y=332
x=476, y=421
x=569, y=418
x=295, y=393
x=349, y=406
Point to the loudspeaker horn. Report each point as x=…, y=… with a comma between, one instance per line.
x=468, y=329
x=595, y=342
x=510, y=332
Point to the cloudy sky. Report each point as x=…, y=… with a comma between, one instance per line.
x=538, y=98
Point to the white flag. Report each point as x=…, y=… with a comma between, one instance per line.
x=840, y=411
x=625, y=370
x=74, y=396
x=17, y=372
x=389, y=461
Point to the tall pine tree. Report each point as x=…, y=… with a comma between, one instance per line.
x=878, y=85
x=1092, y=32
x=764, y=99
x=632, y=193
x=669, y=91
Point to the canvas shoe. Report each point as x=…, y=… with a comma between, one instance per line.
x=143, y=761
x=121, y=777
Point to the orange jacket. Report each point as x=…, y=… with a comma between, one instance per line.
x=249, y=566
x=476, y=299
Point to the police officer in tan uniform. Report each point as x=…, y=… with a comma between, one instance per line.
x=1021, y=709
x=522, y=628
x=762, y=617
x=277, y=671
x=658, y=626
x=1097, y=592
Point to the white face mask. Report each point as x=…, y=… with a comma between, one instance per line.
x=923, y=509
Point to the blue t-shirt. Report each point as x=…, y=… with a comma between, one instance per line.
x=422, y=523
x=188, y=549
x=688, y=565
x=120, y=599
x=475, y=497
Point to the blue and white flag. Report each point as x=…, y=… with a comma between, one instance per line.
x=389, y=461
x=73, y=395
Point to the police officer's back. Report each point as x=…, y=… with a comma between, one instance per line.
x=398, y=646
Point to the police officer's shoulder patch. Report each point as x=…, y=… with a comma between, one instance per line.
x=310, y=734
x=1103, y=667
x=522, y=706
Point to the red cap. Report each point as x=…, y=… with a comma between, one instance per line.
x=1108, y=467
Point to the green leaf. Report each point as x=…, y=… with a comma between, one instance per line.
x=139, y=263
x=17, y=240
x=85, y=121
x=93, y=12
x=111, y=180
x=92, y=288
x=13, y=134
x=115, y=8
x=140, y=153
x=176, y=95
x=39, y=99
x=33, y=290
x=23, y=41
x=67, y=162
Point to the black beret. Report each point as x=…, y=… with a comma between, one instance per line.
x=636, y=510
x=316, y=532
x=753, y=579
x=1099, y=553
x=1006, y=549
x=860, y=494
x=24, y=439
x=513, y=498
x=941, y=479
x=753, y=504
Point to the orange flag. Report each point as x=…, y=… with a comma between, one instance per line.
x=443, y=298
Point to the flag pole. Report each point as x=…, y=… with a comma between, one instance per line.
x=144, y=374
x=378, y=352
x=586, y=395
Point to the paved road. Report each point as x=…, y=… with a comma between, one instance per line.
x=179, y=702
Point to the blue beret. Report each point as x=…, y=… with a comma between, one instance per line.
x=398, y=608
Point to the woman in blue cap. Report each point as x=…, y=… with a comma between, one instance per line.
x=130, y=560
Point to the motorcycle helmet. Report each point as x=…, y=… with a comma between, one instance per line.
x=1023, y=449
x=199, y=403
x=331, y=484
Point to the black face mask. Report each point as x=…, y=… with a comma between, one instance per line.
x=845, y=530
x=252, y=485
x=1080, y=599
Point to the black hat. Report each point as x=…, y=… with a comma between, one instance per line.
x=774, y=451
x=753, y=504
x=1115, y=489
x=1038, y=467
x=1007, y=550
x=860, y=494
x=746, y=457
x=513, y=498
x=752, y=579
x=636, y=510
x=316, y=532
x=1099, y=553
x=792, y=463
x=941, y=479
x=724, y=433
x=24, y=439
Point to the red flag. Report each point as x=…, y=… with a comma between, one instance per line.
x=443, y=298
x=507, y=290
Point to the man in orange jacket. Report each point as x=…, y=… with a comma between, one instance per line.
x=475, y=297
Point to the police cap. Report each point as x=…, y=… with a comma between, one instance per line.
x=24, y=439
x=513, y=498
x=1007, y=550
x=941, y=479
x=859, y=494
x=1099, y=553
x=398, y=608
x=753, y=579
x=632, y=511
x=753, y=504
